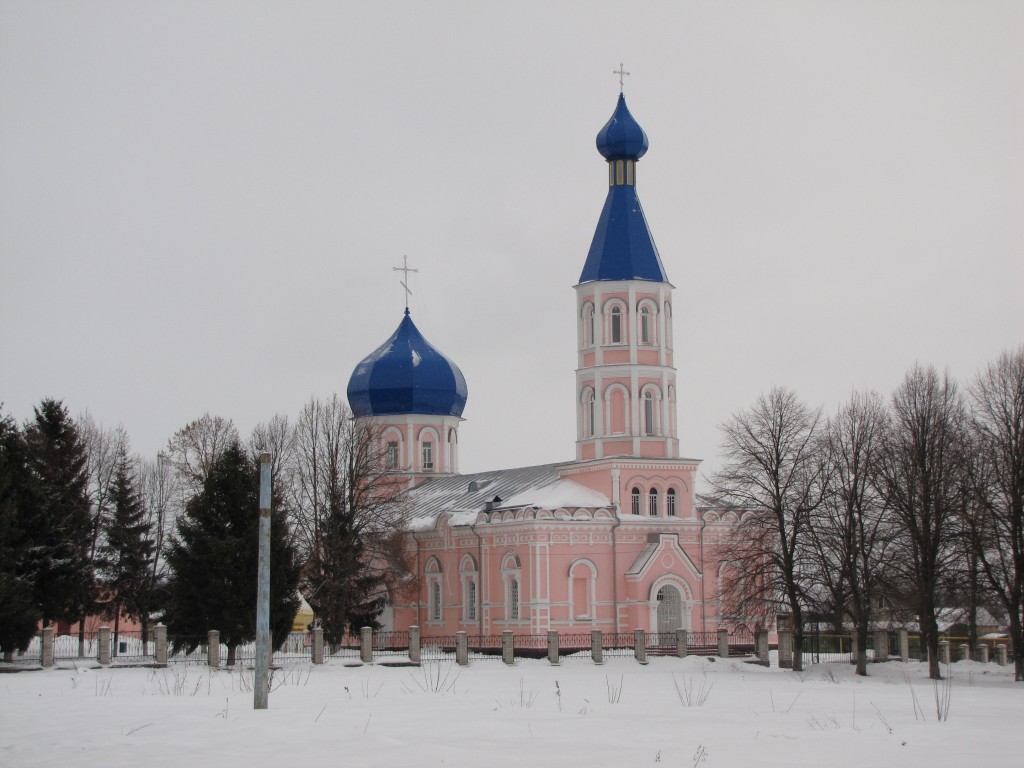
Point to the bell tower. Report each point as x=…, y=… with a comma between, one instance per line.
x=625, y=379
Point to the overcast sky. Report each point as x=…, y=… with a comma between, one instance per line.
x=201, y=202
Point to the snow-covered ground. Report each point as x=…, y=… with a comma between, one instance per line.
x=688, y=712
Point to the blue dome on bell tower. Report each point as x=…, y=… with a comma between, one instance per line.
x=406, y=375
x=622, y=248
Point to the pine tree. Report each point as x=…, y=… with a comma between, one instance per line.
x=214, y=560
x=60, y=519
x=128, y=549
x=18, y=614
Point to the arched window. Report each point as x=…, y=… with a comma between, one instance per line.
x=588, y=412
x=645, y=325
x=433, y=577
x=468, y=574
x=670, y=499
x=616, y=329
x=668, y=325
x=392, y=454
x=588, y=325
x=635, y=496
x=582, y=586
x=428, y=455
x=435, y=601
x=652, y=502
x=513, y=598
x=649, y=413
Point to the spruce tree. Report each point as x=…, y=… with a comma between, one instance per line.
x=60, y=519
x=18, y=614
x=127, y=550
x=214, y=560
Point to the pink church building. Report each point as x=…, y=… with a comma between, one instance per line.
x=614, y=540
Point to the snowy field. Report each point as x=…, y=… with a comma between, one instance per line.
x=689, y=712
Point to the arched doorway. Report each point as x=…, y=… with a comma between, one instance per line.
x=670, y=609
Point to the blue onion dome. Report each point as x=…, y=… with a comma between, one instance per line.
x=406, y=375
x=622, y=138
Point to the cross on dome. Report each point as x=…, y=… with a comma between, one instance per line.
x=405, y=279
x=621, y=72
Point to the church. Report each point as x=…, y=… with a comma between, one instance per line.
x=614, y=540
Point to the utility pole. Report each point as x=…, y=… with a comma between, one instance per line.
x=262, y=682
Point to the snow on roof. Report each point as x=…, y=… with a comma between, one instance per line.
x=463, y=497
x=561, y=493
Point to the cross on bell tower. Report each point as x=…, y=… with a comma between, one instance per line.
x=622, y=73
x=406, y=269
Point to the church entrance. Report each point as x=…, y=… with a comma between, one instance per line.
x=670, y=609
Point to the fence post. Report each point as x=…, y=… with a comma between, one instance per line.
x=414, y=644
x=318, y=645
x=904, y=645
x=1000, y=654
x=983, y=653
x=965, y=652
x=723, y=643
x=46, y=653
x=681, y=649
x=366, y=645
x=507, y=648
x=761, y=646
x=461, y=649
x=160, y=641
x=881, y=650
x=103, y=645
x=785, y=649
x=213, y=648
x=553, y=647
x=944, y=651
x=853, y=647
x=596, y=646
x=640, y=646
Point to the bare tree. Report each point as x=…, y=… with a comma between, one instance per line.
x=195, y=447
x=349, y=516
x=774, y=472
x=922, y=478
x=159, y=490
x=103, y=449
x=851, y=535
x=997, y=396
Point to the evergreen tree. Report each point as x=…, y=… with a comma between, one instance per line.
x=214, y=560
x=18, y=614
x=60, y=519
x=128, y=549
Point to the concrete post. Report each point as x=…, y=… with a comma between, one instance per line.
x=761, y=646
x=103, y=645
x=160, y=641
x=983, y=653
x=596, y=646
x=785, y=649
x=317, y=645
x=414, y=644
x=881, y=652
x=1000, y=654
x=853, y=647
x=681, y=643
x=213, y=648
x=46, y=652
x=904, y=645
x=261, y=675
x=723, y=643
x=366, y=645
x=461, y=649
x=944, y=651
x=553, y=648
x=640, y=646
x=965, y=652
x=507, y=647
